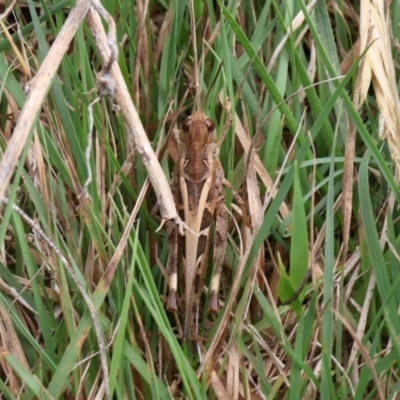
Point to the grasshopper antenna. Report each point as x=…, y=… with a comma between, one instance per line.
x=194, y=40
x=189, y=89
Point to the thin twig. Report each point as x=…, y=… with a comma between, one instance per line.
x=8, y=10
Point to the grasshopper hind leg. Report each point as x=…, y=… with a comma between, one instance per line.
x=220, y=237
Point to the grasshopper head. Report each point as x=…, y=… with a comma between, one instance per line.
x=198, y=143
x=198, y=132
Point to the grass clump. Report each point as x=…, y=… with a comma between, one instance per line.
x=318, y=83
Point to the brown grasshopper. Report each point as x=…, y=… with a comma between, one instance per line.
x=198, y=190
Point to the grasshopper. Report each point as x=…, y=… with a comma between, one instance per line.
x=198, y=191
x=197, y=185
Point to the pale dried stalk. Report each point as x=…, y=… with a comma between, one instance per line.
x=375, y=32
x=134, y=125
x=8, y=10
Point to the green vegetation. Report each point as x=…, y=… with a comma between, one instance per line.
x=304, y=85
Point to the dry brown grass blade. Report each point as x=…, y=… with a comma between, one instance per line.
x=316, y=270
x=232, y=380
x=347, y=188
x=37, y=171
x=158, y=48
x=11, y=377
x=219, y=389
x=254, y=204
x=365, y=353
x=253, y=191
x=362, y=321
x=41, y=170
x=350, y=57
x=9, y=341
x=360, y=92
x=274, y=365
x=22, y=61
x=142, y=50
x=259, y=166
x=13, y=110
x=101, y=175
x=13, y=293
x=38, y=90
x=311, y=70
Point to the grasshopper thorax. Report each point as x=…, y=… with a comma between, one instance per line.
x=197, y=145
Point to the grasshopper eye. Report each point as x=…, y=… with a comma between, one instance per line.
x=210, y=125
x=186, y=123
